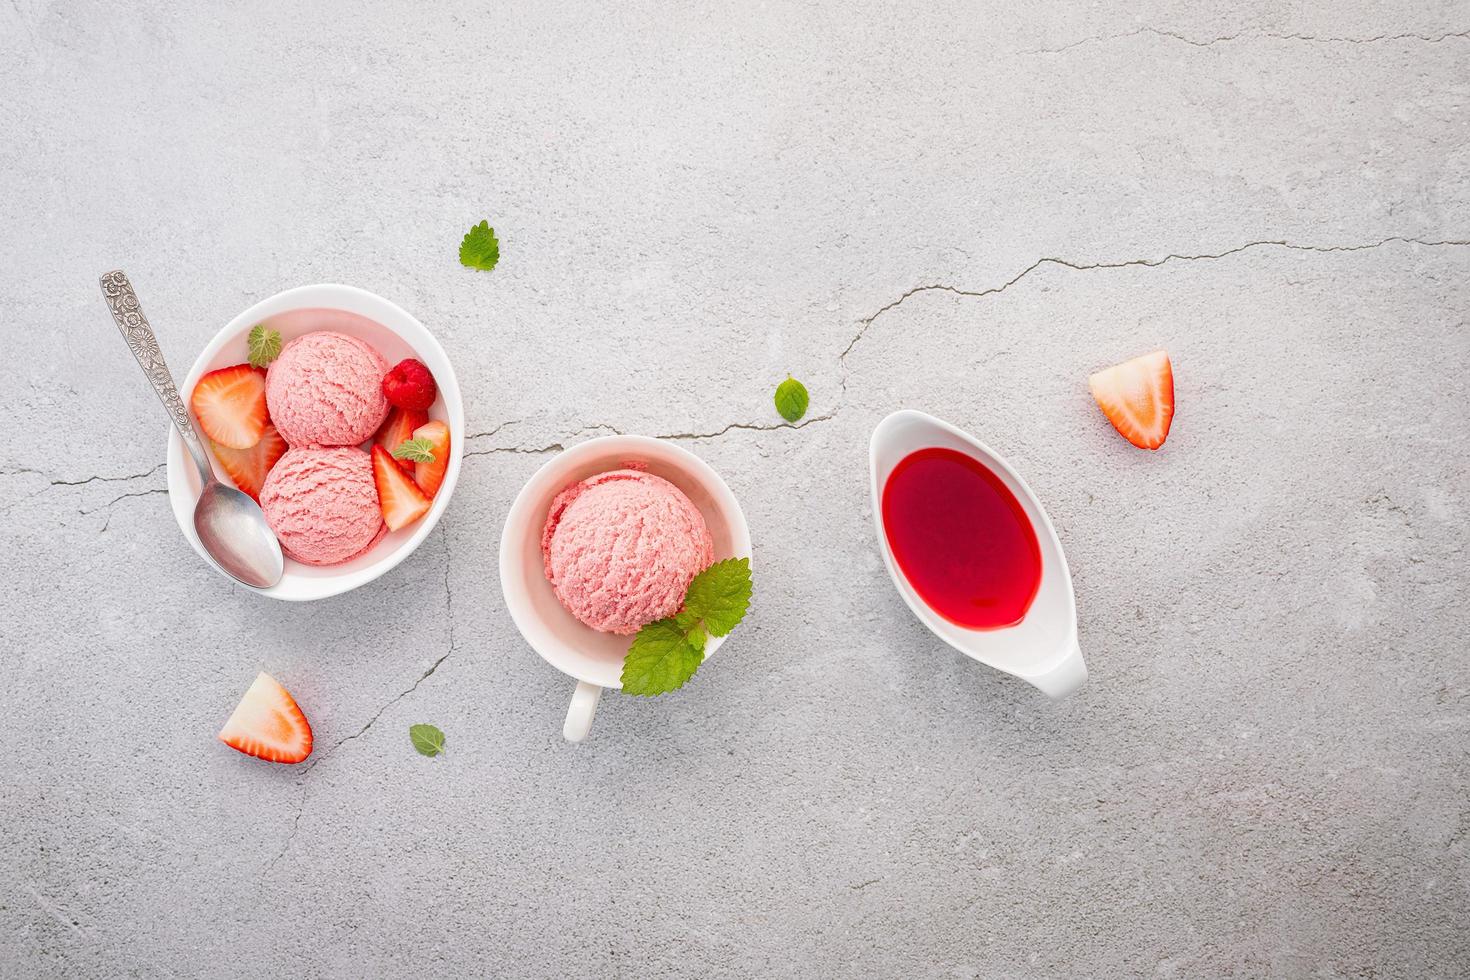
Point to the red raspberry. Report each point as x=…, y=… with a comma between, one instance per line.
x=410, y=385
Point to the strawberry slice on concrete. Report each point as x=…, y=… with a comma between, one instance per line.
x=1137, y=396
x=268, y=724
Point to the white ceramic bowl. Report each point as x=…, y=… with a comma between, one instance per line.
x=396, y=334
x=596, y=659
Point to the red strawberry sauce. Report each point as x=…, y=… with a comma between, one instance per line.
x=961, y=538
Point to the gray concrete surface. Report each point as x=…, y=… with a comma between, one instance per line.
x=961, y=208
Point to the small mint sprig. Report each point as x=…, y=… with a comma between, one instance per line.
x=415, y=451
x=791, y=399
x=666, y=653
x=427, y=739
x=480, y=249
x=262, y=346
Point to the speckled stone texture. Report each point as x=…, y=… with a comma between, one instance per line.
x=961, y=208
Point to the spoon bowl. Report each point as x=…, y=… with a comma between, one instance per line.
x=1042, y=648
x=233, y=530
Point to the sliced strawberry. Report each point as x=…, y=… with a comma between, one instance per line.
x=396, y=429
x=400, y=499
x=248, y=467
x=429, y=475
x=230, y=406
x=267, y=724
x=1137, y=396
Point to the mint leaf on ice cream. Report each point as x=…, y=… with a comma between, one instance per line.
x=666, y=653
x=663, y=656
x=719, y=595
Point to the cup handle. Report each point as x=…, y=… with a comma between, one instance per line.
x=580, y=711
x=1066, y=676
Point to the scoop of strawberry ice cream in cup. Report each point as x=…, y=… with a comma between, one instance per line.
x=326, y=389
x=323, y=504
x=621, y=547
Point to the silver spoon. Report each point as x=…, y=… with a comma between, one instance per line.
x=230, y=525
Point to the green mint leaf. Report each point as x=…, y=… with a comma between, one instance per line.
x=480, y=248
x=719, y=596
x=666, y=653
x=263, y=345
x=791, y=399
x=415, y=450
x=661, y=659
x=427, y=739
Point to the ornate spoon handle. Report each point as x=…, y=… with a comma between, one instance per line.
x=123, y=303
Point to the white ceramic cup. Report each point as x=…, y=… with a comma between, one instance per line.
x=395, y=334
x=592, y=658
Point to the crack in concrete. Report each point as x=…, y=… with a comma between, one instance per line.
x=490, y=432
x=107, y=479
x=295, y=825
x=733, y=426
x=52, y=481
x=532, y=450
x=868, y=321
x=116, y=500
x=752, y=427
x=125, y=496
x=1252, y=35
x=554, y=447
x=322, y=757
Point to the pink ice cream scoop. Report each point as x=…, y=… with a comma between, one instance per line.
x=620, y=548
x=323, y=504
x=326, y=389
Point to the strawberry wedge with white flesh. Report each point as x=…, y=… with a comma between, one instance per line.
x=230, y=406
x=248, y=468
x=268, y=724
x=1137, y=396
x=429, y=475
x=400, y=499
